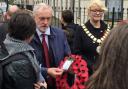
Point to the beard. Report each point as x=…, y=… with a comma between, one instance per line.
x=42, y=29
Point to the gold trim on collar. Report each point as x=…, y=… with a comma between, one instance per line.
x=96, y=40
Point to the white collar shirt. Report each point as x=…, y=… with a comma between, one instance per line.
x=47, y=32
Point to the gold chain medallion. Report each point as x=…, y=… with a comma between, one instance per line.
x=94, y=39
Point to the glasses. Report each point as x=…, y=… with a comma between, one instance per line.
x=97, y=11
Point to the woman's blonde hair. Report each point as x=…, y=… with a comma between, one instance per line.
x=99, y=3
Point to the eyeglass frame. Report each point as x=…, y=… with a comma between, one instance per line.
x=97, y=11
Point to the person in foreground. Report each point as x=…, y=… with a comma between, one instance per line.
x=23, y=72
x=50, y=44
x=112, y=67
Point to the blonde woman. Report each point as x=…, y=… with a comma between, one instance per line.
x=91, y=34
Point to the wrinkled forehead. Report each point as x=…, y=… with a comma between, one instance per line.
x=44, y=12
x=39, y=9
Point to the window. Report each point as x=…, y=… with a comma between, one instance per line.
x=115, y=9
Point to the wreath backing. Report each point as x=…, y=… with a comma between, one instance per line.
x=79, y=68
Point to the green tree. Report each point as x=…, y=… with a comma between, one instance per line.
x=11, y=1
x=1, y=0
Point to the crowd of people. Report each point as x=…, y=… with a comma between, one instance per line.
x=31, y=50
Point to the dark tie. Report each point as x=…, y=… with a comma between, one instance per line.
x=47, y=59
x=46, y=53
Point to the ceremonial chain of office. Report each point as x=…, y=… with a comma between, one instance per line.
x=96, y=40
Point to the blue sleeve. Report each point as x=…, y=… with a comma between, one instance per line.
x=41, y=78
x=44, y=72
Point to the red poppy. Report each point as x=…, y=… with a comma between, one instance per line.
x=79, y=68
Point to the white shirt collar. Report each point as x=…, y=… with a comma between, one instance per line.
x=47, y=32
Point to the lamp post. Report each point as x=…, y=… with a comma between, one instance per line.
x=7, y=4
x=73, y=6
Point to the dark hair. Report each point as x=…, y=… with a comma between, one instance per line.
x=112, y=71
x=68, y=16
x=21, y=25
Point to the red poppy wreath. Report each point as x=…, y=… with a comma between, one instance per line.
x=78, y=69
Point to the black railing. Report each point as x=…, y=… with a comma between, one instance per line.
x=81, y=15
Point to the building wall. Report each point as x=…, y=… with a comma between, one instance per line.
x=59, y=5
x=125, y=5
x=64, y=3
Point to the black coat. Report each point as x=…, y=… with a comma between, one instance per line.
x=69, y=30
x=23, y=71
x=84, y=45
x=3, y=31
x=22, y=78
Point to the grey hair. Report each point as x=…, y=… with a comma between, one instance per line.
x=41, y=5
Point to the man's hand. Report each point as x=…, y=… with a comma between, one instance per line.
x=38, y=85
x=54, y=72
